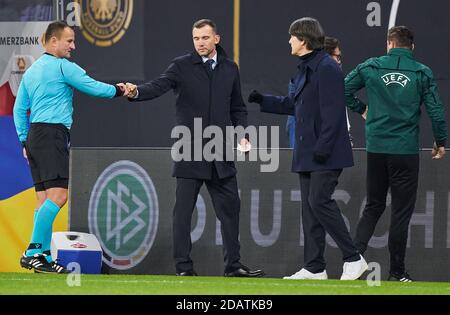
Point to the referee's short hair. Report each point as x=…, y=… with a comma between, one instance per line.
x=309, y=30
x=53, y=29
x=402, y=36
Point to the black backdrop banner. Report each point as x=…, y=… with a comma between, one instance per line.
x=111, y=48
x=161, y=30
x=126, y=196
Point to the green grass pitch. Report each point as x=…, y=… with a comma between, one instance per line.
x=35, y=284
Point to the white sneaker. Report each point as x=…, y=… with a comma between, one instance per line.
x=304, y=274
x=353, y=270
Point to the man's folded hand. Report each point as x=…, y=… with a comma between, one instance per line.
x=321, y=157
x=132, y=90
x=255, y=97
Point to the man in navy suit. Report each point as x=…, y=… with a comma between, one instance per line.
x=316, y=99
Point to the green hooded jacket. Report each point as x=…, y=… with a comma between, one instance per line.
x=396, y=86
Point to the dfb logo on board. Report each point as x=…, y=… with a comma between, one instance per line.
x=123, y=214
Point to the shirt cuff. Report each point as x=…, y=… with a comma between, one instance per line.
x=118, y=91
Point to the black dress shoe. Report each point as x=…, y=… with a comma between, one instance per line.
x=187, y=273
x=244, y=271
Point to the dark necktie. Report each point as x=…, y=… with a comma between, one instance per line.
x=209, y=65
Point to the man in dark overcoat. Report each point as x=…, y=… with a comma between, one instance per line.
x=207, y=86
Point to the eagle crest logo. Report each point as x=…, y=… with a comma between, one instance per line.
x=104, y=22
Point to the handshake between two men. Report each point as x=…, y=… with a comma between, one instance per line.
x=128, y=89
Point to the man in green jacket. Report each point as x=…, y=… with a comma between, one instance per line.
x=396, y=86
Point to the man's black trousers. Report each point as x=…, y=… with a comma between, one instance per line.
x=400, y=173
x=321, y=214
x=226, y=202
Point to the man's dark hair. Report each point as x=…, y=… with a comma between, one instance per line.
x=309, y=30
x=330, y=44
x=54, y=29
x=401, y=36
x=204, y=22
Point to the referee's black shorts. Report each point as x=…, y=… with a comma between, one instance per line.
x=47, y=149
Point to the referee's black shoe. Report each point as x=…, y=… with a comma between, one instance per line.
x=38, y=262
x=401, y=277
x=53, y=267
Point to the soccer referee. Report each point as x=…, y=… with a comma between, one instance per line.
x=46, y=90
x=396, y=86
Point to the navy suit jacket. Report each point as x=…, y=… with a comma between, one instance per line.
x=316, y=99
x=215, y=98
